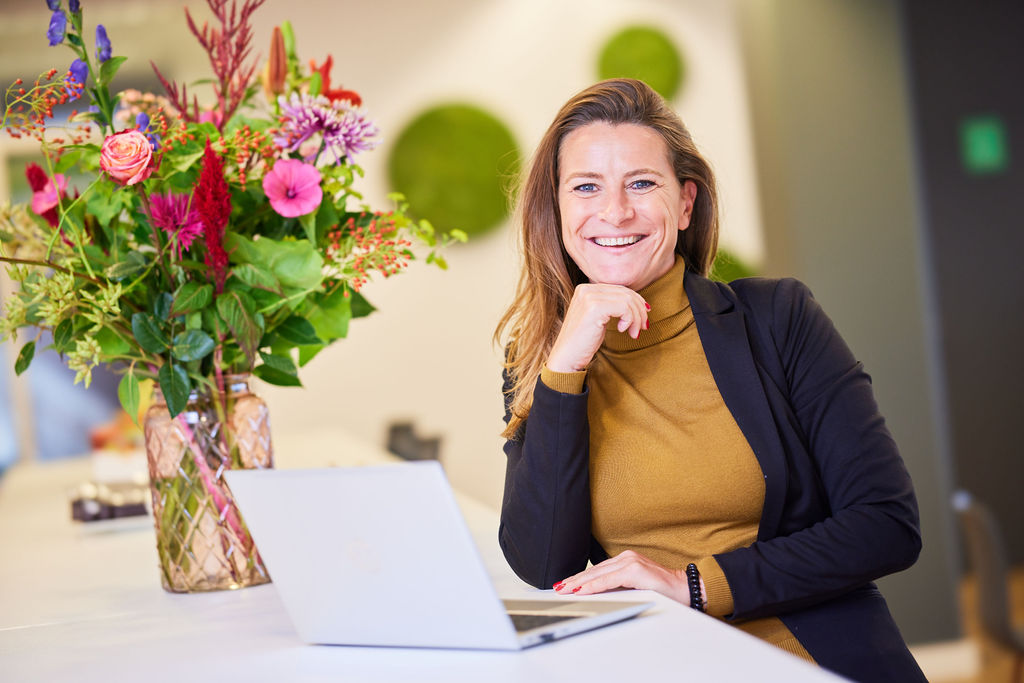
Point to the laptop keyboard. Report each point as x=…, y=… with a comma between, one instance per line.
x=525, y=622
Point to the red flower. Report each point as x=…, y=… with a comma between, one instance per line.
x=213, y=202
x=325, y=80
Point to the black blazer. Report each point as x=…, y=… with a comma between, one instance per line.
x=839, y=508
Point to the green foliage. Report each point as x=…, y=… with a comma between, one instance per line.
x=454, y=163
x=727, y=267
x=644, y=53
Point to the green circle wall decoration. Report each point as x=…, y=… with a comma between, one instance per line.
x=645, y=53
x=453, y=162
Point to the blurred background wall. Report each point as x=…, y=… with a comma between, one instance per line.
x=836, y=166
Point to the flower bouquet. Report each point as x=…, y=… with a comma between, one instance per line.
x=210, y=243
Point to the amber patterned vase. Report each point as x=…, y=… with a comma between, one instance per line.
x=201, y=539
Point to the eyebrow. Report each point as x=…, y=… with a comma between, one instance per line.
x=630, y=174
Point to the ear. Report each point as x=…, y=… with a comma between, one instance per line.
x=687, y=197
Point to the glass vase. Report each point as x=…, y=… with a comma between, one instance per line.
x=202, y=541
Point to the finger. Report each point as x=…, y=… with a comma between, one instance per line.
x=612, y=564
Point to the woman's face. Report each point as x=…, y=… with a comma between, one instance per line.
x=621, y=204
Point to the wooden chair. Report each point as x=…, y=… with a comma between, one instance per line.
x=987, y=558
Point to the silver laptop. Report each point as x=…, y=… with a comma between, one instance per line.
x=381, y=556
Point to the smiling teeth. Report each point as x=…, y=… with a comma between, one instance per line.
x=616, y=241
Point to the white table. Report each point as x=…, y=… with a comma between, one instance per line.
x=78, y=603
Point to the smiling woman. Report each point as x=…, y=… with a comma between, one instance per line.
x=620, y=216
x=717, y=443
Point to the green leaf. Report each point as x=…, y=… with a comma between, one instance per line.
x=67, y=160
x=212, y=323
x=308, y=223
x=192, y=345
x=238, y=311
x=128, y=394
x=105, y=203
x=183, y=162
x=308, y=353
x=111, y=343
x=190, y=297
x=272, y=376
x=25, y=357
x=133, y=264
x=360, y=306
x=326, y=217
x=62, y=335
x=254, y=276
x=162, y=305
x=329, y=315
x=298, y=331
x=175, y=385
x=109, y=69
x=148, y=333
x=280, y=363
x=295, y=264
x=194, y=320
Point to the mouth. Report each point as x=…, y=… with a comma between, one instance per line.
x=624, y=241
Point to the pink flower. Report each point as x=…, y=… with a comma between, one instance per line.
x=45, y=196
x=293, y=188
x=172, y=213
x=127, y=157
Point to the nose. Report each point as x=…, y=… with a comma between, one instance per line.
x=618, y=209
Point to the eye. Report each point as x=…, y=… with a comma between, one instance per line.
x=642, y=184
x=585, y=188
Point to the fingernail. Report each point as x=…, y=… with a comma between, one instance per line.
x=558, y=586
x=647, y=305
x=646, y=323
x=576, y=589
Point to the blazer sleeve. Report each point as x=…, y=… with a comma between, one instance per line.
x=545, y=513
x=868, y=526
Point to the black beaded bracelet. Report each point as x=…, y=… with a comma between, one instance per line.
x=693, y=581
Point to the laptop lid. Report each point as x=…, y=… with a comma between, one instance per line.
x=381, y=556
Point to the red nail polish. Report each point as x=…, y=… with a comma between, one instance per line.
x=558, y=586
x=646, y=324
x=576, y=589
x=647, y=305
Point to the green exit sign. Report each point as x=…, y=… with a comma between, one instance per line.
x=983, y=146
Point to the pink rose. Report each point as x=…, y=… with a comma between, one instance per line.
x=127, y=157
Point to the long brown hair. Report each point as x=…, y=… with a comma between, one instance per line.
x=549, y=275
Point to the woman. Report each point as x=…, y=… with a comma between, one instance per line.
x=716, y=443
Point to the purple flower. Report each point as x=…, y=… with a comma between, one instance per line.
x=73, y=6
x=173, y=214
x=79, y=73
x=54, y=5
x=293, y=188
x=58, y=26
x=343, y=128
x=142, y=123
x=102, y=44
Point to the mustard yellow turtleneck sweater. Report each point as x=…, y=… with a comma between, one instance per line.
x=671, y=474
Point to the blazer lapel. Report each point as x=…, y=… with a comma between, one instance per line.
x=723, y=334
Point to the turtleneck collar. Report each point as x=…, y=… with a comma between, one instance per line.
x=670, y=312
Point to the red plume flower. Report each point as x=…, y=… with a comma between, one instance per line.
x=213, y=202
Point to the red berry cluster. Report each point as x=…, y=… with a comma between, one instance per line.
x=375, y=247
x=26, y=111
